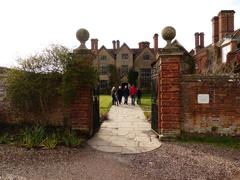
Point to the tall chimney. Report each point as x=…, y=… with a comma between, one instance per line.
x=201, y=40
x=155, y=42
x=196, y=40
x=226, y=23
x=118, y=44
x=96, y=44
x=114, y=44
x=215, y=29
x=92, y=44
x=141, y=45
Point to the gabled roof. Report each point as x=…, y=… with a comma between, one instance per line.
x=124, y=44
x=235, y=33
x=142, y=51
x=104, y=48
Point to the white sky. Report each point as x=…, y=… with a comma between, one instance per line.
x=28, y=26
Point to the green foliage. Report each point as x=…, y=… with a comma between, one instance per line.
x=37, y=81
x=50, y=142
x=32, y=92
x=41, y=80
x=77, y=73
x=114, y=78
x=5, y=139
x=71, y=139
x=132, y=77
x=222, y=141
x=32, y=136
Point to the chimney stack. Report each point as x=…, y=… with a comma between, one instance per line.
x=226, y=23
x=118, y=44
x=196, y=40
x=94, y=44
x=155, y=41
x=201, y=40
x=215, y=30
x=114, y=44
x=140, y=45
x=143, y=44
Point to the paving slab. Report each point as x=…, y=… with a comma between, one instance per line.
x=125, y=132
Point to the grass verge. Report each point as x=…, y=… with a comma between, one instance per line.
x=221, y=141
x=105, y=104
x=146, y=105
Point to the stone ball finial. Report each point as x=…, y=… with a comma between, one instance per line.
x=168, y=34
x=82, y=35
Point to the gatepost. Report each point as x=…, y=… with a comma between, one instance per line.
x=169, y=99
x=80, y=110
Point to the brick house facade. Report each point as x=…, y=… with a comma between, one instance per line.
x=225, y=46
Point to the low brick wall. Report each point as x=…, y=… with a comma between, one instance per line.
x=220, y=114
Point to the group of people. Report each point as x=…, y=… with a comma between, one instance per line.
x=118, y=94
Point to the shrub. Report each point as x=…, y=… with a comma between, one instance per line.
x=71, y=139
x=50, y=142
x=5, y=139
x=32, y=136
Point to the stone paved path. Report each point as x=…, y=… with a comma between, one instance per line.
x=127, y=131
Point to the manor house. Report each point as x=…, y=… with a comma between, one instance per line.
x=125, y=59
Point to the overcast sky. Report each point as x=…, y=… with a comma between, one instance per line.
x=28, y=26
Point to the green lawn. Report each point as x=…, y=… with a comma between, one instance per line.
x=146, y=105
x=105, y=103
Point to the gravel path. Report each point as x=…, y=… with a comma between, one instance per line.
x=170, y=161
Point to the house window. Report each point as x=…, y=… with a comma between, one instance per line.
x=146, y=56
x=225, y=51
x=103, y=84
x=124, y=56
x=103, y=58
x=145, y=77
x=103, y=69
x=124, y=69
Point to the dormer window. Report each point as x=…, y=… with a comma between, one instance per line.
x=103, y=58
x=124, y=56
x=146, y=56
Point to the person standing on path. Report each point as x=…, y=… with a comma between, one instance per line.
x=139, y=95
x=113, y=94
x=125, y=94
x=119, y=94
x=133, y=92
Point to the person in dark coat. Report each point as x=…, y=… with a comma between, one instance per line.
x=139, y=95
x=120, y=94
x=125, y=94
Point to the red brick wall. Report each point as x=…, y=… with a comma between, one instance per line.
x=169, y=96
x=80, y=110
x=221, y=115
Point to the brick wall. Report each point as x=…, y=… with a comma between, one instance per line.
x=169, y=96
x=221, y=115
